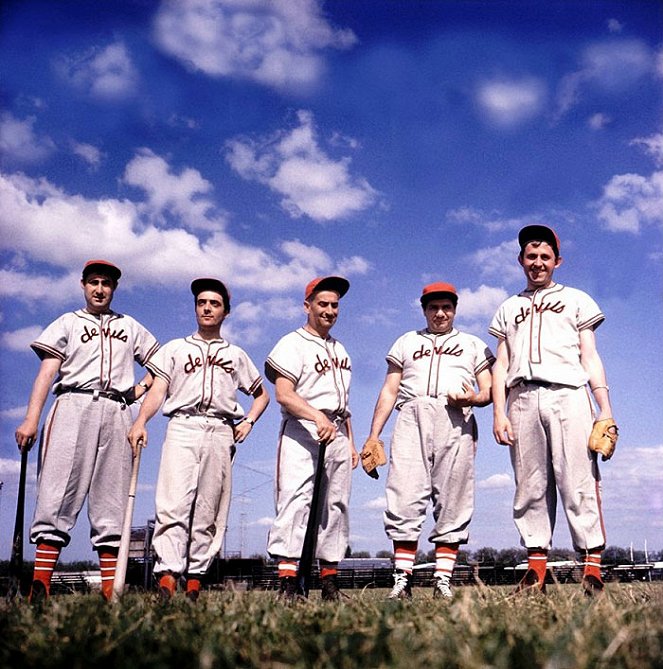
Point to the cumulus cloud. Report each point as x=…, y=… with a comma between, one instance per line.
x=14, y=413
x=479, y=304
x=613, y=66
x=508, y=103
x=19, y=142
x=276, y=43
x=496, y=482
x=614, y=26
x=265, y=521
x=88, y=152
x=598, y=121
x=20, y=340
x=376, y=504
x=37, y=218
x=492, y=221
x=293, y=165
x=107, y=74
x=10, y=469
x=653, y=146
x=498, y=262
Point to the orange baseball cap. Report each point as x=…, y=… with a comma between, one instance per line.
x=102, y=267
x=539, y=233
x=336, y=283
x=436, y=290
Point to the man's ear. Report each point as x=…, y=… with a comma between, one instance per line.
x=559, y=261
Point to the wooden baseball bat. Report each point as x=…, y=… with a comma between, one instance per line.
x=125, y=540
x=16, y=560
x=311, y=536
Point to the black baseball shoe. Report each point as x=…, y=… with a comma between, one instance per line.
x=288, y=588
x=592, y=586
x=330, y=591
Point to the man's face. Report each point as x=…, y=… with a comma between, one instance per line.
x=98, y=290
x=322, y=310
x=440, y=314
x=539, y=263
x=210, y=311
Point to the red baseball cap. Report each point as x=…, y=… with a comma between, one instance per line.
x=539, y=233
x=101, y=267
x=336, y=283
x=437, y=290
x=200, y=285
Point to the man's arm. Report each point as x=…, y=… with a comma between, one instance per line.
x=296, y=405
x=26, y=433
x=386, y=400
x=593, y=365
x=469, y=398
x=153, y=400
x=258, y=406
x=351, y=439
x=502, y=430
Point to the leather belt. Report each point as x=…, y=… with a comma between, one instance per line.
x=114, y=395
x=533, y=382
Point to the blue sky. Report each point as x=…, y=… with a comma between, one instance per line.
x=396, y=143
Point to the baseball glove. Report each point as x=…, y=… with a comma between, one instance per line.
x=603, y=438
x=372, y=455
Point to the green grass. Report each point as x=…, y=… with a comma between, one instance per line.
x=481, y=628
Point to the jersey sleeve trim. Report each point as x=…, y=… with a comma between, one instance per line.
x=272, y=369
x=496, y=333
x=592, y=322
x=43, y=350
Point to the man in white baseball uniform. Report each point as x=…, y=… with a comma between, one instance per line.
x=434, y=378
x=83, y=448
x=198, y=376
x=546, y=358
x=311, y=373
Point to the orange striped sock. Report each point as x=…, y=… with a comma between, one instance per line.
x=404, y=554
x=592, y=563
x=445, y=560
x=107, y=564
x=537, y=560
x=169, y=582
x=46, y=557
x=288, y=568
x=192, y=584
x=328, y=569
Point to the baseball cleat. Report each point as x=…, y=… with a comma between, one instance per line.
x=592, y=586
x=530, y=583
x=402, y=586
x=167, y=586
x=288, y=588
x=330, y=591
x=38, y=594
x=442, y=589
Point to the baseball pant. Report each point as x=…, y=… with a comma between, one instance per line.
x=297, y=460
x=551, y=429
x=431, y=459
x=84, y=453
x=193, y=494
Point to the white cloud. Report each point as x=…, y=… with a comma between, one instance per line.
x=276, y=308
x=653, y=146
x=509, y=103
x=376, y=504
x=490, y=220
x=480, y=304
x=598, y=121
x=19, y=141
x=498, y=262
x=20, y=340
x=614, y=26
x=38, y=220
x=14, y=413
x=631, y=201
x=292, y=164
x=496, y=482
x=106, y=74
x=88, y=152
x=265, y=521
x=10, y=469
x=276, y=43
x=612, y=66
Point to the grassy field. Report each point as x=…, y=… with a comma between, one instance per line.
x=480, y=628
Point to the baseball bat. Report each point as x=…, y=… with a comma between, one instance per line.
x=311, y=536
x=16, y=560
x=125, y=539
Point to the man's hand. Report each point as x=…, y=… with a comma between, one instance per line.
x=241, y=431
x=137, y=437
x=326, y=429
x=502, y=430
x=26, y=434
x=465, y=398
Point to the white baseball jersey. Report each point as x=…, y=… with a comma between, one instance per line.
x=542, y=330
x=319, y=368
x=203, y=376
x=433, y=365
x=97, y=352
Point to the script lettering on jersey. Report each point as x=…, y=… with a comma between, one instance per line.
x=423, y=352
x=555, y=307
x=90, y=333
x=323, y=366
x=193, y=364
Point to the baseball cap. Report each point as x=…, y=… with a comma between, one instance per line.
x=101, y=267
x=539, y=233
x=437, y=290
x=336, y=283
x=200, y=285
